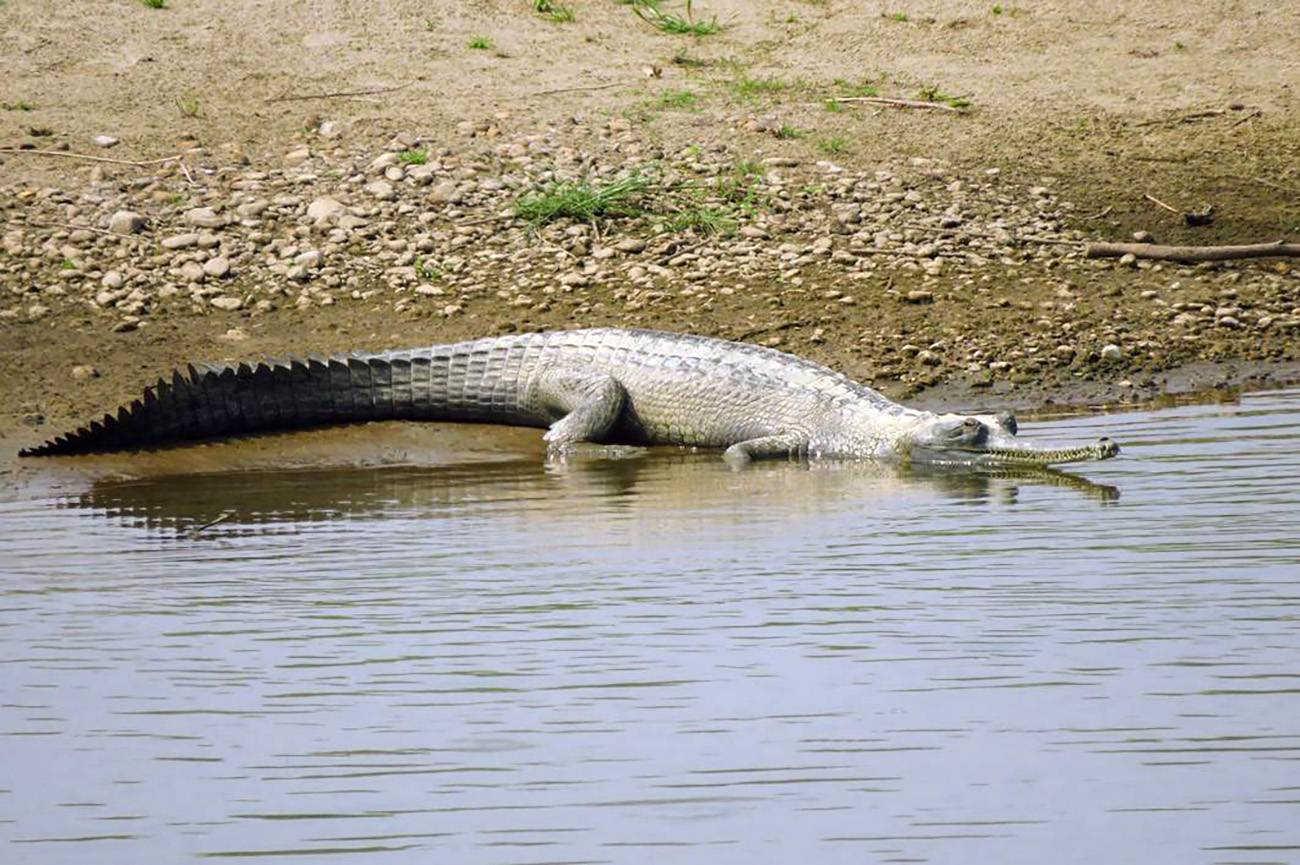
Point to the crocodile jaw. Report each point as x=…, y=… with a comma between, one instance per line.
x=1011, y=452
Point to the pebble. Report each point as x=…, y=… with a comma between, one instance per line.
x=180, y=241
x=226, y=302
x=325, y=208
x=112, y=280
x=381, y=189
x=1112, y=353
x=192, y=271
x=81, y=372
x=919, y=295
x=297, y=157
x=217, y=267
x=126, y=222
x=204, y=217
x=105, y=141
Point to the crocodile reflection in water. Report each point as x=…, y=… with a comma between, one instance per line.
x=660, y=482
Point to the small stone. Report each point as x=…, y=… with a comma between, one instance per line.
x=226, y=302
x=394, y=173
x=180, y=241
x=235, y=334
x=324, y=208
x=297, y=157
x=81, y=372
x=204, y=217
x=192, y=271
x=126, y=222
x=445, y=193
x=1112, y=353
x=381, y=189
x=112, y=280
x=217, y=267
x=37, y=311
x=630, y=245
x=126, y=325
x=309, y=259
x=753, y=232
x=919, y=295
x=1128, y=259
x=929, y=358
x=105, y=141
x=1141, y=237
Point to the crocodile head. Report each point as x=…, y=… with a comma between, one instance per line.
x=989, y=440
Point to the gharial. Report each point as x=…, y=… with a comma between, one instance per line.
x=602, y=385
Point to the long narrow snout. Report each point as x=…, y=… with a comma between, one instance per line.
x=1027, y=454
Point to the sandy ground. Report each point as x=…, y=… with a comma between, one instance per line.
x=1191, y=102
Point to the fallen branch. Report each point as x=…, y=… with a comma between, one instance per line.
x=336, y=94
x=68, y=225
x=574, y=89
x=1277, y=249
x=891, y=102
x=1183, y=118
x=63, y=154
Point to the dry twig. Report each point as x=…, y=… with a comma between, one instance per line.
x=70, y=226
x=891, y=102
x=1277, y=249
x=337, y=94
x=1151, y=198
x=64, y=154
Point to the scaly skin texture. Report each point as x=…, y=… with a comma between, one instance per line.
x=598, y=385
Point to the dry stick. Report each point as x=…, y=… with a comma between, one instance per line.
x=1183, y=118
x=1099, y=214
x=69, y=225
x=1149, y=197
x=1277, y=249
x=897, y=103
x=337, y=93
x=573, y=89
x=1251, y=116
x=66, y=155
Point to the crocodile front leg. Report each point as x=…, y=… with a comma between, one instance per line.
x=591, y=405
x=766, y=447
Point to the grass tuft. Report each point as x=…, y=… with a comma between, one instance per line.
x=582, y=201
x=481, y=43
x=788, y=132
x=833, y=146
x=686, y=25
x=702, y=220
x=154, y=4
x=678, y=100
x=900, y=17
x=557, y=12
x=20, y=105
x=188, y=106
x=934, y=94
x=413, y=157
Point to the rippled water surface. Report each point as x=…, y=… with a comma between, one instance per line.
x=660, y=659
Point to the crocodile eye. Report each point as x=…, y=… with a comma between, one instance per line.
x=970, y=423
x=1008, y=421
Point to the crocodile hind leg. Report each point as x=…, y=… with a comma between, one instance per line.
x=766, y=447
x=591, y=406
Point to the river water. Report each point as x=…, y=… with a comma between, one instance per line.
x=620, y=661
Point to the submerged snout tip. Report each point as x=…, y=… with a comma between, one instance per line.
x=1106, y=448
